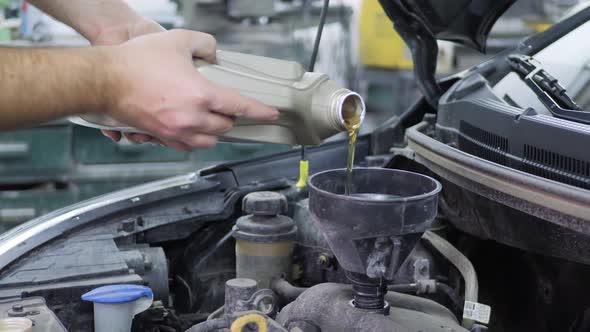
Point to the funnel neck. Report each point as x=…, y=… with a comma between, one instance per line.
x=368, y=294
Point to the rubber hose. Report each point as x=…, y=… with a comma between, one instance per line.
x=216, y=313
x=285, y=290
x=447, y=290
x=461, y=263
x=440, y=288
x=209, y=325
x=403, y=288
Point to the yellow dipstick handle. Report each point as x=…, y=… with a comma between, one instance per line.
x=257, y=319
x=303, y=173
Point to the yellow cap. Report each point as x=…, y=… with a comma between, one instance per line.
x=257, y=319
x=303, y=173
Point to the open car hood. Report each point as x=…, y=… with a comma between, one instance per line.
x=421, y=22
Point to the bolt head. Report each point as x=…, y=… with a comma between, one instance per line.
x=265, y=203
x=128, y=225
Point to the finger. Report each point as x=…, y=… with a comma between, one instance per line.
x=230, y=102
x=194, y=120
x=179, y=146
x=200, y=45
x=113, y=135
x=144, y=27
x=137, y=138
x=213, y=124
x=201, y=141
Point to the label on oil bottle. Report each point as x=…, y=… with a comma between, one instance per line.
x=477, y=312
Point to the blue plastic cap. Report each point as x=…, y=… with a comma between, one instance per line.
x=117, y=294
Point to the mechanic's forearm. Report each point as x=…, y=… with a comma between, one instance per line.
x=38, y=85
x=91, y=18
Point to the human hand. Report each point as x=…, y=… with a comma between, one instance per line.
x=157, y=89
x=117, y=34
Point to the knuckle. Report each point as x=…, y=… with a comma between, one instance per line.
x=240, y=107
x=202, y=101
x=166, y=133
x=176, y=122
x=228, y=125
x=178, y=33
x=209, y=40
x=203, y=125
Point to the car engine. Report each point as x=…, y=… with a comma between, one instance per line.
x=289, y=260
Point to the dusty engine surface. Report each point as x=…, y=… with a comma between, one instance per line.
x=312, y=312
x=32, y=311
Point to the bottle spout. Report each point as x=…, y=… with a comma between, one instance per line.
x=349, y=108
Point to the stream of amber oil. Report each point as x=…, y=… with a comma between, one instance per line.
x=353, y=126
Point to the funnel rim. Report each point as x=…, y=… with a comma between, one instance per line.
x=436, y=190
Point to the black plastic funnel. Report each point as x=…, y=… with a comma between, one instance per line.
x=372, y=231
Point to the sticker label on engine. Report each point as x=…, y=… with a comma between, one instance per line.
x=477, y=312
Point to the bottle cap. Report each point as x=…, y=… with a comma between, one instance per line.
x=117, y=294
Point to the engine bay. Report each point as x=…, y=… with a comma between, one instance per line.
x=464, y=213
x=177, y=237
x=276, y=262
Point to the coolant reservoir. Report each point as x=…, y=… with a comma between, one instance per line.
x=16, y=324
x=312, y=107
x=265, y=238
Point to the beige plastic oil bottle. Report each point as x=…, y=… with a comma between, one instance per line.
x=312, y=107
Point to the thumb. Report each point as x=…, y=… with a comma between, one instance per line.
x=198, y=44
